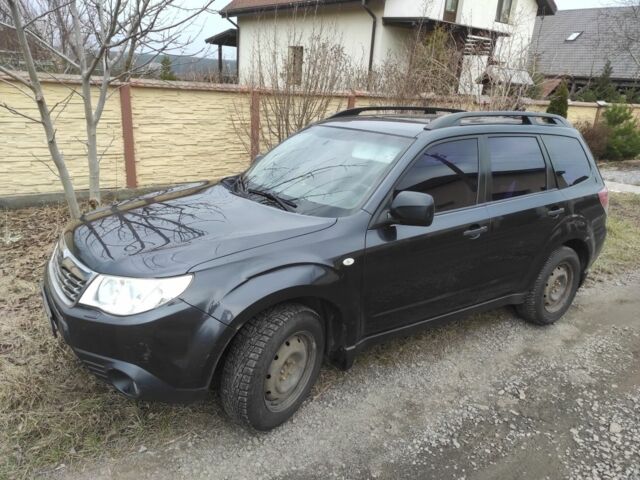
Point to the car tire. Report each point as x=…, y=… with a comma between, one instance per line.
x=554, y=288
x=272, y=363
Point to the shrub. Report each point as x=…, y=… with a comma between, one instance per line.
x=602, y=88
x=560, y=101
x=596, y=136
x=624, y=138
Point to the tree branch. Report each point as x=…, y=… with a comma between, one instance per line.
x=44, y=44
x=20, y=114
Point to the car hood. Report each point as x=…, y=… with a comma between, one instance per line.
x=167, y=233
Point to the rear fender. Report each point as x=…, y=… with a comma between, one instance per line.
x=572, y=228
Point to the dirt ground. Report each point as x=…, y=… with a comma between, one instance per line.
x=485, y=397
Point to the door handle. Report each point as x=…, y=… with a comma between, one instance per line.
x=475, y=231
x=555, y=212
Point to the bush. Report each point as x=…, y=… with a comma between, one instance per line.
x=624, y=138
x=560, y=101
x=596, y=136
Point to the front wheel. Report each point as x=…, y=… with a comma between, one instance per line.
x=272, y=364
x=554, y=288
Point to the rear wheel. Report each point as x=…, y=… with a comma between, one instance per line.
x=272, y=364
x=554, y=288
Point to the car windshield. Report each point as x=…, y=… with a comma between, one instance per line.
x=326, y=171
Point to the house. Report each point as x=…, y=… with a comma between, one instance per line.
x=575, y=45
x=370, y=32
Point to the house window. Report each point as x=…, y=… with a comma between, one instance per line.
x=450, y=10
x=504, y=11
x=573, y=37
x=296, y=56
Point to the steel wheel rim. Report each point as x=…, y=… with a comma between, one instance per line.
x=289, y=371
x=558, y=287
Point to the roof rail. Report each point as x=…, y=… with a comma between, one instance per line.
x=387, y=108
x=527, y=118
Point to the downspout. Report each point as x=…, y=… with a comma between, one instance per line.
x=237, y=48
x=373, y=33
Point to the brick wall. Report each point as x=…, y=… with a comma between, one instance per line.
x=181, y=131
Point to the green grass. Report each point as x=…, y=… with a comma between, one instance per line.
x=621, y=250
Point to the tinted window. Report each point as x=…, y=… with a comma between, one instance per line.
x=568, y=159
x=448, y=172
x=518, y=167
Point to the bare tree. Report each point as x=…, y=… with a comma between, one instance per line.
x=98, y=39
x=297, y=72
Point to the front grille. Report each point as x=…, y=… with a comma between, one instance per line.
x=68, y=277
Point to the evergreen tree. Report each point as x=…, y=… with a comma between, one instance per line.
x=560, y=101
x=166, y=73
x=602, y=88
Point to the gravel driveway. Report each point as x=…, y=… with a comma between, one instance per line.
x=482, y=398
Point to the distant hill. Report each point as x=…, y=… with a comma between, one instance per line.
x=187, y=67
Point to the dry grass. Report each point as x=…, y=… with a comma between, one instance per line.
x=53, y=411
x=620, y=165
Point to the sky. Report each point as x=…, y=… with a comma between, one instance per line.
x=208, y=24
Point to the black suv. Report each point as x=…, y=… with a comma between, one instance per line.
x=361, y=227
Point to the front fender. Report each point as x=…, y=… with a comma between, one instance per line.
x=277, y=286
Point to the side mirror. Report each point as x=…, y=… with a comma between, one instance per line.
x=413, y=208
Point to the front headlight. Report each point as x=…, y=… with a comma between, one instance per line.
x=127, y=296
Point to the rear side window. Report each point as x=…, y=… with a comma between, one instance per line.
x=517, y=167
x=448, y=172
x=568, y=159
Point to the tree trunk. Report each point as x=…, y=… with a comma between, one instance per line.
x=47, y=123
x=92, y=143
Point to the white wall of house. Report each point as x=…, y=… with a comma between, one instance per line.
x=346, y=25
x=414, y=8
x=349, y=26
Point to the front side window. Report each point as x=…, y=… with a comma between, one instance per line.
x=568, y=159
x=448, y=172
x=503, y=13
x=326, y=171
x=517, y=166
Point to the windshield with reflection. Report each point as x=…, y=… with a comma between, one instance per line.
x=326, y=171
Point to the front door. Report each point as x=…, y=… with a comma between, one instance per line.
x=413, y=273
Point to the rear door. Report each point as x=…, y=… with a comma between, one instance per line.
x=525, y=207
x=414, y=273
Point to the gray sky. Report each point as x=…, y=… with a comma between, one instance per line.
x=210, y=24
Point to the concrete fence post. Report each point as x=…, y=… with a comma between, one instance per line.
x=255, y=124
x=127, y=136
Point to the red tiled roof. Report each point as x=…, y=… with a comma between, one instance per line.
x=236, y=7
x=249, y=6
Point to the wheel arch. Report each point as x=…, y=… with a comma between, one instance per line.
x=315, y=286
x=581, y=247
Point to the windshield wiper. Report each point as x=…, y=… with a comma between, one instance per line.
x=283, y=203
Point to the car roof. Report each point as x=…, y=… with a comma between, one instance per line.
x=389, y=125
x=415, y=120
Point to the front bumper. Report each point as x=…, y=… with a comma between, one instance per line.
x=167, y=354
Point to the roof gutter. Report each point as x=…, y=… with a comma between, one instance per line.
x=373, y=32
